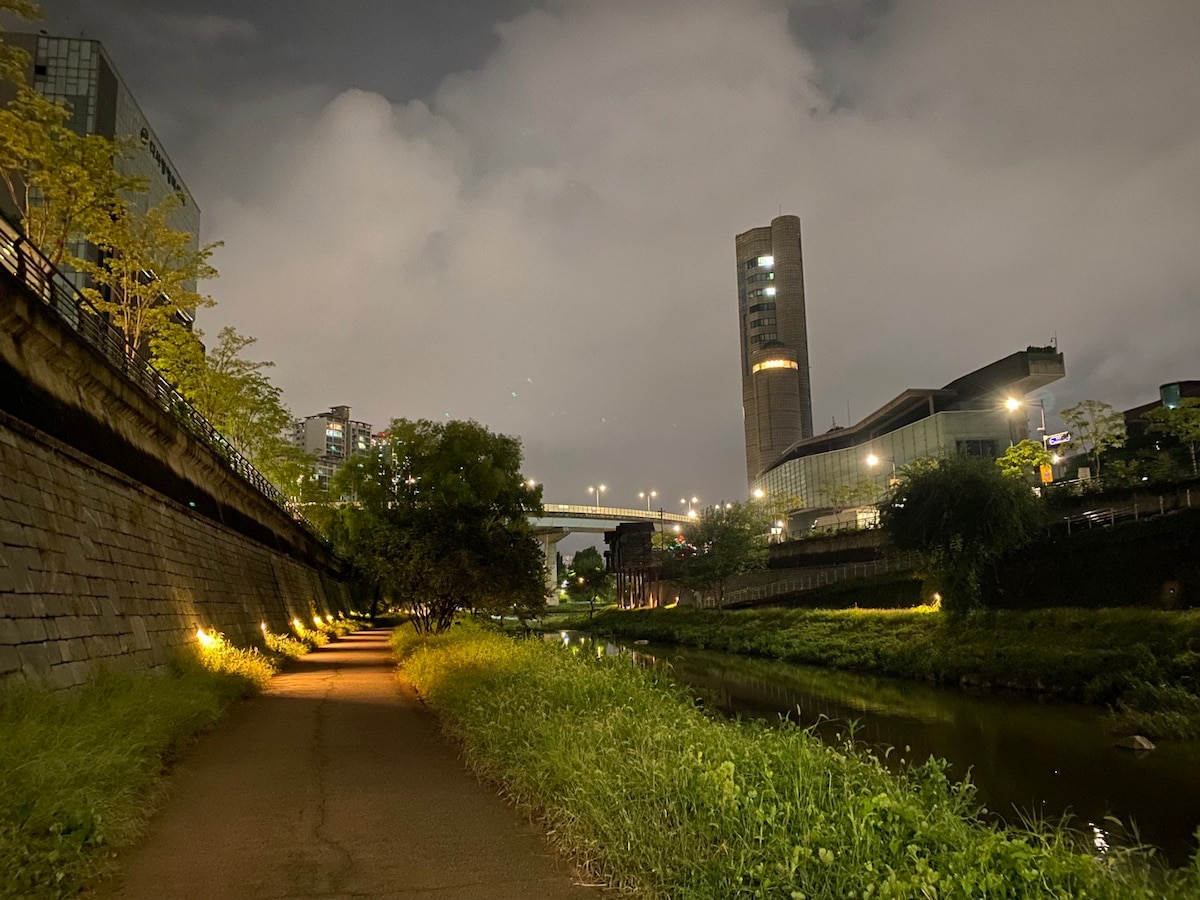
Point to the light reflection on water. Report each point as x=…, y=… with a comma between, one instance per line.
x=1029, y=760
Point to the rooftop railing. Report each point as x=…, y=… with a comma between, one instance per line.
x=30, y=267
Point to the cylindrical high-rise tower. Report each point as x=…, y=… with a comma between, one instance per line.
x=776, y=394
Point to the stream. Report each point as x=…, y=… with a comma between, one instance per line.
x=1028, y=759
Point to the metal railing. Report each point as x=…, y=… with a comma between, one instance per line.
x=820, y=577
x=30, y=267
x=1138, y=508
x=612, y=512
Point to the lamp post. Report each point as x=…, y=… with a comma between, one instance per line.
x=1012, y=404
x=873, y=461
x=597, y=490
x=691, y=505
x=647, y=496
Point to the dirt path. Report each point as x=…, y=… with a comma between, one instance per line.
x=335, y=784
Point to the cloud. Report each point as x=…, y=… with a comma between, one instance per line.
x=207, y=28
x=546, y=244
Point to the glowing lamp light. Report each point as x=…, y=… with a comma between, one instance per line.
x=297, y=624
x=774, y=364
x=1012, y=404
x=317, y=621
x=262, y=627
x=206, y=640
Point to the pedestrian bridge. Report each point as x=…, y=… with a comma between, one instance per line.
x=560, y=519
x=567, y=518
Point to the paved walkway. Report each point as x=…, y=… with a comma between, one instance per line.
x=336, y=783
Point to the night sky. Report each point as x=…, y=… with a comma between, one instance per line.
x=524, y=213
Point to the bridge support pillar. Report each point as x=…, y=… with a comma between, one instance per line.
x=550, y=541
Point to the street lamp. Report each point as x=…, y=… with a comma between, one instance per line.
x=1012, y=404
x=647, y=496
x=690, y=505
x=759, y=493
x=598, y=490
x=873, y=461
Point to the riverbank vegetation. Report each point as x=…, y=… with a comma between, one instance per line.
x=652, y=795
x=1144, y=665
x=81, y=770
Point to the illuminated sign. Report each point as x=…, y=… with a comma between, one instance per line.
x=1063, y=437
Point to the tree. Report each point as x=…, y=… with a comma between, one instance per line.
x=237, y=397
x=13, y=59
x=959, y=514
x=1097, y=425
x=588, y=579
x=1181, y=422
x=1024, y=458
x=147, y=270
x=62, y=183
x=725, y=541
x=845, y=495
x=440, y=519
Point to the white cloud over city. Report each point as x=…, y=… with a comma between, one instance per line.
x=544, y=241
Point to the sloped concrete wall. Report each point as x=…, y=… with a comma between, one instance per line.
x=96, y=568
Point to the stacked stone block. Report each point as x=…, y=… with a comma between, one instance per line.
x=96, y=569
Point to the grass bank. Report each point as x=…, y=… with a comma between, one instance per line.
x=81, y=770
x=1143, y=664
x=651, y=795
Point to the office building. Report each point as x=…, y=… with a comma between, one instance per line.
x=776, y=393
x=79, y=73
x=331, y=438
x=969, y=415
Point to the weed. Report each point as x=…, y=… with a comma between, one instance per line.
x=653, y=796
x=80, y=770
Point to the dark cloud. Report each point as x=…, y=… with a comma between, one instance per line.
x=525, y=214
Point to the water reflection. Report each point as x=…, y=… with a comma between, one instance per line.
x=1029, y=760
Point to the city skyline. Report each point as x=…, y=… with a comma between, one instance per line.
x=434, y=215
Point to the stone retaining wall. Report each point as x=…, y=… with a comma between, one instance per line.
x=96, y=568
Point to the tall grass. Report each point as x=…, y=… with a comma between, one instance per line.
x=651, y=795
x=1145, y=664
x=80, y=771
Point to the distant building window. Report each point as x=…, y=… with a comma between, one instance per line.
x=982, y=448
x=762, y=307
x=761, y=276
x=774, y=364
x=763, y=338
x=760, y=323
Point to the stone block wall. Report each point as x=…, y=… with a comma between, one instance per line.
x=96, y=568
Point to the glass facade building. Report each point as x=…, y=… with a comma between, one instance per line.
x=853, y=466
x=79, y=73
